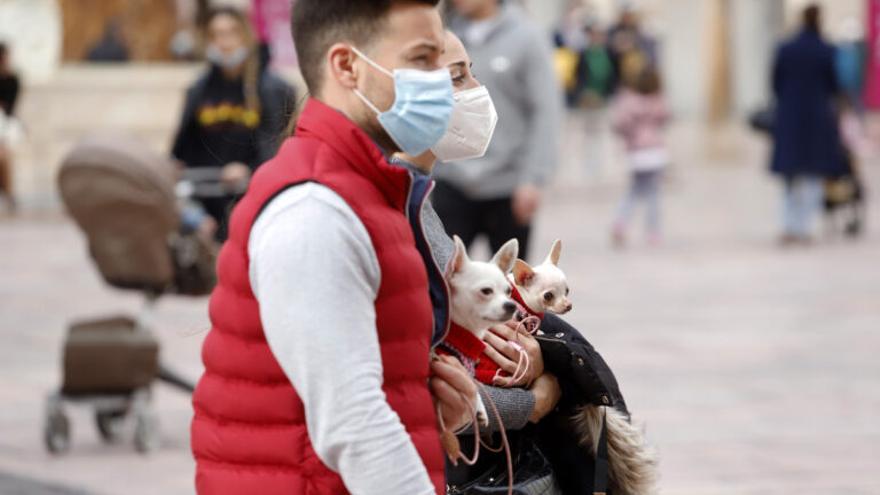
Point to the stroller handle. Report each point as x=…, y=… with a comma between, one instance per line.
x=205, y=183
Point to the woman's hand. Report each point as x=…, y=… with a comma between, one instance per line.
x=506, y=355
x=235, y=176
x=525, y=202
x=454, y=391
x=547, y=393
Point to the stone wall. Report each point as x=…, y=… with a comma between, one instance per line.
x=142, y=99
x=147, y=26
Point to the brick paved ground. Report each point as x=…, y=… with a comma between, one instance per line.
x=754, y=368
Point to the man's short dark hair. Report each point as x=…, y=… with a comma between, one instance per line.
x=813, y=17
x=318, y=24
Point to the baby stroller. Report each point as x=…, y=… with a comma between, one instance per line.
x=122, y=195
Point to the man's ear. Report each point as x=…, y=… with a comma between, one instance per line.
x=459, y=257
x=522, y=273
x=553, y=257
x=505, y=256
x=340, y=64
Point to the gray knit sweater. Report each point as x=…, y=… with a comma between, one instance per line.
x=514, y=404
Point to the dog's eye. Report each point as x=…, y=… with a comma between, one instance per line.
x=486, y=291
x=548, y=296
x=509, y=291
x=566, y=291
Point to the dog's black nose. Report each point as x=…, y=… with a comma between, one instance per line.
x=509, y=307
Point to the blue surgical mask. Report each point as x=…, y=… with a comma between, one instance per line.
x=422, y=107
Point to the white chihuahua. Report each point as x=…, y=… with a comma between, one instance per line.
x=543, y=287
x=480, y=294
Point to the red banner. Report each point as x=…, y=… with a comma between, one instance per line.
x=872, y=69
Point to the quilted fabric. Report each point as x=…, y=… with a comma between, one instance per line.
x=248, y=432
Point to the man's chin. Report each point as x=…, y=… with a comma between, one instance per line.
x=380, y=136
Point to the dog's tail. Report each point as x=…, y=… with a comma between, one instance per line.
x=632, y=462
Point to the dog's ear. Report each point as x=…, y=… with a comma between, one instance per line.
x=553, y=257
x=459, y=257
x=522, y=273
x=505, y=256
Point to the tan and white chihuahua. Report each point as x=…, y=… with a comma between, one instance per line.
x=480, y=295
x=543, y=287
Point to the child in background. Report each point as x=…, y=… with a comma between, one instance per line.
x=639, y=115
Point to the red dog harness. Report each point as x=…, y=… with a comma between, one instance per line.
x=470, y=350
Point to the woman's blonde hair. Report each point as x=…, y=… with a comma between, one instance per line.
x=252, y=69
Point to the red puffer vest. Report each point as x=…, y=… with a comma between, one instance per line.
x=248, y=432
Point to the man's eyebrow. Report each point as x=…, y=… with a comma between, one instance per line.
x=430, y=45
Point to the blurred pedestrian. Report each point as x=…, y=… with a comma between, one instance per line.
x=499, y=194
x=639, y=116
x=9, y=83
x=9, y=89
x=570, y=41
x=234, y=114
x=565, y=63
x=807, y=147
x=849, y=60
x=111, y=47
x=596, y=68
x=270, y=21
x=630, y=49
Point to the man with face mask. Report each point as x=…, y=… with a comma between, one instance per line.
x=317, y=364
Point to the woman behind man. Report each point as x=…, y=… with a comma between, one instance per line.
x=234, y=113
x=536, y=397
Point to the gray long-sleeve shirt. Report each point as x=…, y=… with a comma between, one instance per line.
x=316, y=276
x=512, y=57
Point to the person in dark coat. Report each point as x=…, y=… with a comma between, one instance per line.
x=9, y=90
x=807, y=146
x=235, y=114
x=111, y=47
x=9, y=83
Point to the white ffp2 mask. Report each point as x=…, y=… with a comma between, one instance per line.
x=470, y=127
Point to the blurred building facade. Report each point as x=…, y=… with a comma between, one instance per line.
x=714, y=54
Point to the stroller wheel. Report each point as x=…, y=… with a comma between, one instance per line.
x=56, y=433
x=110, y=424
x=146, y=432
